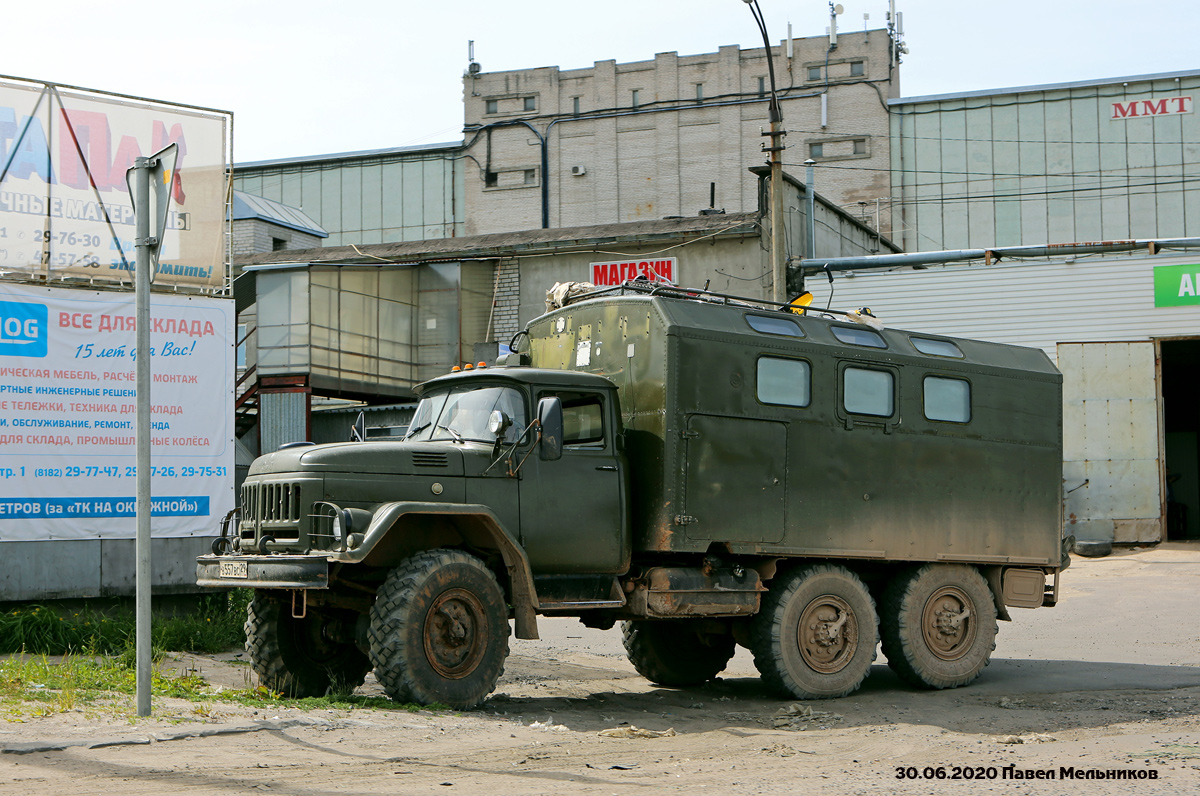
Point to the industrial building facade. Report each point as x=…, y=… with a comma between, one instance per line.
x=377, y=196
x=1089, y=161
x=617, y=143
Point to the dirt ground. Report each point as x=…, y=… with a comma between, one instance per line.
x=1109, y=680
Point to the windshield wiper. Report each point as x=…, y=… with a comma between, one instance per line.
x=417, y=430
x=457, y=437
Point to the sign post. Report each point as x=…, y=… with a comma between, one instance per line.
x=145, y=173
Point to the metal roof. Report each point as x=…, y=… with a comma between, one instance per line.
x=247, y=206
x=507, y=244
x=1045, y=87
x=360, y=154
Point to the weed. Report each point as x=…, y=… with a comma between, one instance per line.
x=215, y=626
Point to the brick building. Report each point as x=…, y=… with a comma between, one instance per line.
x=262, y=225
x=617, y=143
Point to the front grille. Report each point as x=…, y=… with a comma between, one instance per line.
x=274, y=508
x=280, y=503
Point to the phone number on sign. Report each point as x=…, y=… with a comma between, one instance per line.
x=127, y=472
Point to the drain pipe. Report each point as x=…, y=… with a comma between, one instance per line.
x=918, y=259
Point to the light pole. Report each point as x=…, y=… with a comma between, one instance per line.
x=775, y=160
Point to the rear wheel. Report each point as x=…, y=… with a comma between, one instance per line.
x=439, y=630
x=816, y=633
x=939, y=625
x=673, y=652
x=302, y=657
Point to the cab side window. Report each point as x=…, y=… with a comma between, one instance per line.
x=583, y=419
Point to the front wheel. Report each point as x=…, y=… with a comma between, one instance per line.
x=439, y=630
x=302, y=657
x=816, y=633
x=939, y=625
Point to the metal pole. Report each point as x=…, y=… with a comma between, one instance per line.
x=775, y=160
x=142, y=244
x=812, y=207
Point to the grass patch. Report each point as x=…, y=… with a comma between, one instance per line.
x=33, y=686
x=215, y=626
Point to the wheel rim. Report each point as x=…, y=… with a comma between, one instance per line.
x=948, y=623
x=456, y=633
x=827, y=634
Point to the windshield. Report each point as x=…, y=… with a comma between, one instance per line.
x=463, y=413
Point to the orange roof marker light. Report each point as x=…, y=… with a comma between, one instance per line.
x=481, y=365
x=455, y=369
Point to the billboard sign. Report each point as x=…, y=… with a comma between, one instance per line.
x=65, y=208
x=68, y=407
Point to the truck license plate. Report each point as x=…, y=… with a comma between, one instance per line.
x=233, y=569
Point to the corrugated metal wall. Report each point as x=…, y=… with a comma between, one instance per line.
x=1039, y=304
x=283, y=418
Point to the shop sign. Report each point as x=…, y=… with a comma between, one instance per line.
x=614, y=273
x=1177, y=285
x=1136, y=109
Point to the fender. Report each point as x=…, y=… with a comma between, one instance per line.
x=475, y=523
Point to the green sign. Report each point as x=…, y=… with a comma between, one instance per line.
x=1177, y=285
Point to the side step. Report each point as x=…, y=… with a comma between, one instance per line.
x=578, y=592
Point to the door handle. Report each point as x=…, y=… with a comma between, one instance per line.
x=611, y=467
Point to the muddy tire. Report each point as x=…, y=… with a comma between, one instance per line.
x=815, y=636
x=439, y=630
x=938, y=625
x=301, y=657
x=672, y=652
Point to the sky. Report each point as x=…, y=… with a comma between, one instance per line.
x=309, y=78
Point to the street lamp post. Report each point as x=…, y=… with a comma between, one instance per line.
x=775, y=160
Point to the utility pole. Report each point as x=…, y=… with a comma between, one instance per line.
x=775, y=161
x=147, y=246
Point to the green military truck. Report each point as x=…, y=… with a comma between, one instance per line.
x=708, y=470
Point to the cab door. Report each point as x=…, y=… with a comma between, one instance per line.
x=574, y=510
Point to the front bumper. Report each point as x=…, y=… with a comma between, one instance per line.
x=263, y=572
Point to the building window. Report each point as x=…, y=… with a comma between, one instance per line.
x=278, y=244
x=814, y=73
x=491, y=106
x=816, y=150
x=948, y=400
x=530, y=104
x=857, y=69
x=784, y=382
x=575, y=105
x=860, y=146
x=868, y=392
x=531, y=176
x=635, y=97
x=762, y=86
x=490, y=179
x=699, y=93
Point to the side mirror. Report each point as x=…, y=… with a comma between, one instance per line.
x=550, y=418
